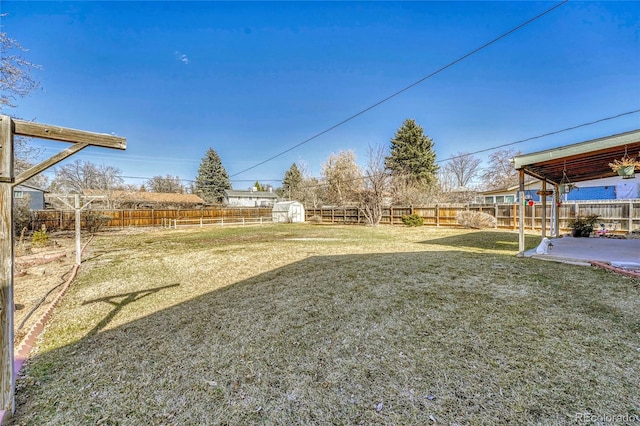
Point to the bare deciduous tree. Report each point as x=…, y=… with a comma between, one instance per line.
x=166, y=184
x=343, y=178
x=501, y=173
x=409, y=192
x=462, y=167
x=78, y=176
x=377, y=183
x=15, y=71
x=16, y=82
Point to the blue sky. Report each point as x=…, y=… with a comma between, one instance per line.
x=253, y=79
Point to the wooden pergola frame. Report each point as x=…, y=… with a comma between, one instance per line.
x=577, y=162
x=9, y=128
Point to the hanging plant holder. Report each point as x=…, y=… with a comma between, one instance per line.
x=565, y=185
x=626, y=166
x=628, y=172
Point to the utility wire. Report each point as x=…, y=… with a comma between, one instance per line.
x=480, y=151
x=450, y=64
x=555, y=132
x=541, y=136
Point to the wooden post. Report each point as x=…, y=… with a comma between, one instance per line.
x=8, y=129
x=521, y=245
x=78, y=231
x=7, y=378
x=544, y=208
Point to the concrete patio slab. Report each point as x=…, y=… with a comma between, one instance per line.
x=623, y=253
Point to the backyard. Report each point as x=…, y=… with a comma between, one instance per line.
x=322, y=324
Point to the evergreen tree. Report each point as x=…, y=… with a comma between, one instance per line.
x=412, y=155
x=292, y=182
x=212, y=179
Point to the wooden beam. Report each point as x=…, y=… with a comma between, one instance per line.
x=45, y=131
x=6, y=149
x=38, y=168
x=8, y=128
x=7, y=377
x=577, y=149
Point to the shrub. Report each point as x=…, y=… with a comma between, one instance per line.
x=476, y=220
x=315, y=219
x=412, y=220
x=582, y=226
x=22, y=212
x=94, y=220
x=40, y=238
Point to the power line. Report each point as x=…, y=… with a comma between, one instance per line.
x=480, y=151
x=450, y=64
x=555, y=132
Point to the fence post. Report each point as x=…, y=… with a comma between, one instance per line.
x=243, y=220
x=630, y=217
x=200, y=221
x=496, y=215
x=437, y=215
x=175, y=223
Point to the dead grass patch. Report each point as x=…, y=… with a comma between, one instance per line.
x=296, y=324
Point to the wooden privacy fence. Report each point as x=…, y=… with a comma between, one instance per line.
x=62, y=220
x=622, y=216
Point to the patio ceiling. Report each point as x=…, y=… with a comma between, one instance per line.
x=582, y=161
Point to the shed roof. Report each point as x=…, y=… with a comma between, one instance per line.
x=284, y=205
x=581, y=161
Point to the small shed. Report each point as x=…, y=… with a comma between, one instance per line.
x=288, y=212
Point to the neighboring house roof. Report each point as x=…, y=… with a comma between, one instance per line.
x=23, y=187
x=149, y=197
x=511, y=188
x=249, y=194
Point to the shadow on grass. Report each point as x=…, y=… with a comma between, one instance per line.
x=488, y=240
x=119, y=301
x=354, y=339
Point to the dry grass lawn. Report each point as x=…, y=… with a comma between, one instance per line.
x=302, y=324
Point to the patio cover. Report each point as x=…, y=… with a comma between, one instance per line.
x=580, y=162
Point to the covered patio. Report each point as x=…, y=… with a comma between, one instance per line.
x=558, y=168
